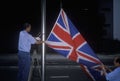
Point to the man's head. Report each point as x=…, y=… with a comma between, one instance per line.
x=27, y=27
x=117, y=61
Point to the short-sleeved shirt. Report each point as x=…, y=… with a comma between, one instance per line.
x=25, y=41
x=114, y=75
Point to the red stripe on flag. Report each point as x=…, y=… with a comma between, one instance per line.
x=78, y=40
x=63, y=17
x=89, y=58
x=60, y=47
x=73, y=56
x=63, y=35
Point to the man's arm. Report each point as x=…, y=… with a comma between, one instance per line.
x=39, y=42
x=111, y=74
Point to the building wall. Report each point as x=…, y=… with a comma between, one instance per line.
x=116, y=19
x=106, y=8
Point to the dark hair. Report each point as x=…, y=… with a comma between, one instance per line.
x=26, y=25
x=118, y=60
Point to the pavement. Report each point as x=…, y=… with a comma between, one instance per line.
x=57, y=67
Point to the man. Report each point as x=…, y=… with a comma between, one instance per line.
x=24, y=47
x=115, y=74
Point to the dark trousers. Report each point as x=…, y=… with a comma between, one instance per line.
x=24, y=62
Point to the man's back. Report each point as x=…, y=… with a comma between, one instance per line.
x=25, y=41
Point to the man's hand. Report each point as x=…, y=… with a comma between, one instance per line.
x=38, y=38
x=107, y=68
x=103, y=69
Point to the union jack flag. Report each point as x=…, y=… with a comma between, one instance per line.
x=67, y=40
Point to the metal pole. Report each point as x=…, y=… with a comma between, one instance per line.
x=43, y=25
x=61, y=4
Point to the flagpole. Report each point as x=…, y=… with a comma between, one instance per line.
x=61, y=4
x=43, y=25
